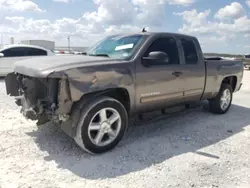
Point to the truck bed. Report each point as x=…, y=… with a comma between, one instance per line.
x=217, y=70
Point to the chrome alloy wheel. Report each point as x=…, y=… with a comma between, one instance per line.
x=104, y=127
x=225, y=99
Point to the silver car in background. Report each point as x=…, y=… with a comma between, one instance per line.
x=16, y=52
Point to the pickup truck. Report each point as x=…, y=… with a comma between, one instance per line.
x=93, y=95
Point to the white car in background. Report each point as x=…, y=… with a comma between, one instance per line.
x=247, y=61
x=16, y=52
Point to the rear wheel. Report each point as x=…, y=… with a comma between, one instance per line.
x=102, y=124
x=222, y=102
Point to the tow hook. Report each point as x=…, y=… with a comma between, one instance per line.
x=63, y=117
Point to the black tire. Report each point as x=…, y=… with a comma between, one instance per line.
x=214, y=104
x=87, y=113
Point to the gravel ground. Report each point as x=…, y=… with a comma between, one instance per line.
x=190, y=148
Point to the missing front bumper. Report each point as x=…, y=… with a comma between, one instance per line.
x=36, y=96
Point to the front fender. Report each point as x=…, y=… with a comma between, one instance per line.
x=76, y=83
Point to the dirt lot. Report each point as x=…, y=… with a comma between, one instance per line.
x=186, y=149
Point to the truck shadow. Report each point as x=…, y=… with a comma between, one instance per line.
x=147, y=143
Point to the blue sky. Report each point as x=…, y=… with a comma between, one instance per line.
x=221, y=25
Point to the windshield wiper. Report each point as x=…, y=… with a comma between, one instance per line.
x=102, y=55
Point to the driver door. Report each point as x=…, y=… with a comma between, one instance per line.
x=161, y=84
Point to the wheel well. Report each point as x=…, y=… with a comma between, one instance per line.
x=231, y=80
x=121, y=95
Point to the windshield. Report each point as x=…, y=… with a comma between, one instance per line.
x=117, y=46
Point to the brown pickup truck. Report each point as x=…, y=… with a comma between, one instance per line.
x=92, y=95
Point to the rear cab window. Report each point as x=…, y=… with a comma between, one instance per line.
x=190, y=52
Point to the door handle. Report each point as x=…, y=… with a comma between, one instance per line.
x=177, y=73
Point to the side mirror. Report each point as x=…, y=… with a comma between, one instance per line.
x=1, y=55
x=156, y=58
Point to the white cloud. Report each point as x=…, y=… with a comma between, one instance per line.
x=181, y=2
x=215, y=34
x=19, y=5
x=197, y=23
x=211, y=40
x=248, y=3
x=124, y=12
x=142, y=12
x=115, y=16
x=62, y=1
x=174, y=2
x=118, y=29
x=82, y=34
x=111, y=16
x=232, y=11
x=112, y=12
x=150, y=13
x=194, y=18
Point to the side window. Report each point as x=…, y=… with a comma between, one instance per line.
x=167, y=45
x=35, y=52
x=15, y=52
x=190, y=52
x=23, y=51
x=7, y=53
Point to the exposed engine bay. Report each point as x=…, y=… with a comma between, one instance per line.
x=42, y=99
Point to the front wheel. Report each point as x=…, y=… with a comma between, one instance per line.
x=102, y=124
x=222, y=102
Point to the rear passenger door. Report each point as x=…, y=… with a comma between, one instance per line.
x=194, y=69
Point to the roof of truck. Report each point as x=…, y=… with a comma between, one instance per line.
x=159, y=33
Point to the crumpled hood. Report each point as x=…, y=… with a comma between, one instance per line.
x=43, y=66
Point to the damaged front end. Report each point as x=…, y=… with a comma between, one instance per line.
x=38, y=97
